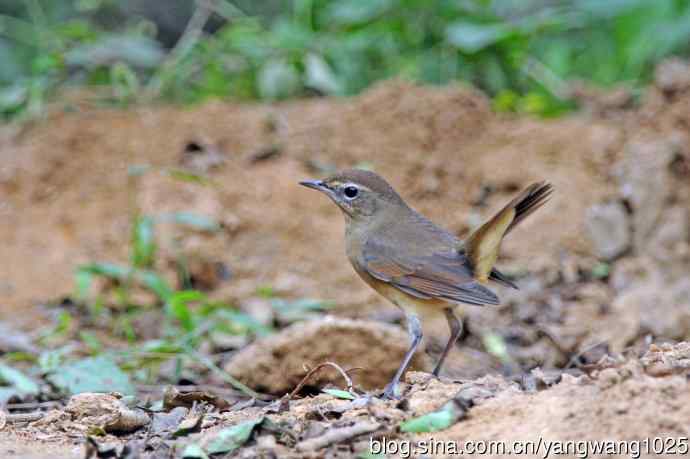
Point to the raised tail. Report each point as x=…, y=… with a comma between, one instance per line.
x=483, y=245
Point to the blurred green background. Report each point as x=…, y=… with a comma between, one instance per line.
x=523, y=53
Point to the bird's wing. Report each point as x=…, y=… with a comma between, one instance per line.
x=444, y=276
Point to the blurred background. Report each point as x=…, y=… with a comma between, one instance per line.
x=521, y=52
x=153, y=233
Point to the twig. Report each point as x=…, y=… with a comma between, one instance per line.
x=227, y=378
x=559, y=346
x=337, y=435
x=283, y=404
x=573, y=362
x=223, y=8
x=189, y=38
x=547, y=78
x=23, y=417
x=217, y=390
x=32, y=405
x=311, y=372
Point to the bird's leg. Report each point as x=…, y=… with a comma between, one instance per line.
x=415, y=330
x=455, y=326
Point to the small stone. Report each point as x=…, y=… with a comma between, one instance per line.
x=672, y=75
x=104, y=411
x=668, y=244
x=656, y=308
x=667, y=359
x=608, y=377
x=631, y=271
x=644, y=182
x=608, y=228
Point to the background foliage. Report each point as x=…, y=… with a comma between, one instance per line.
x=519, y=51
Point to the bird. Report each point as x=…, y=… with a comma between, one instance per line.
x=414, y=263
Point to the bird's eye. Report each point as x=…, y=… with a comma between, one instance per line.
x=351, y=192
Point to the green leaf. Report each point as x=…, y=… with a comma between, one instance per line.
x=232, y=438
x=94, y=374
x=277, y=79
x=338, y=393
x=83, y=281
x=496, y=346
x=51, y=360
x=370, y=455
x=155, y=283
x=109, y=270
x=17, y=380
x=91, y=341
x=448, y=415
x=609, y=9
x=143, y=242
x=320, y=76
x=291, y=311
x=148, y=279
x=159, y=346
x=601, y=270
x=138, y=51
x=63, y=325
x=194, y=451
x=11, y=97
x=137, y=170
x=186, y=176
x=197, y=221
x=179, y=307
x=353, y=12
x=470, y=37
x=236, y=322
x=124, y=82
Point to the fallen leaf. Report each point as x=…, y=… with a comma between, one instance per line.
x=17, y=380
x=172, y=398
x=164, y=423
x=194, y=451
x=191, y=423
x=13, y=340
x=338, y=393
x=449, y=414
x=230, y=439
x=93, y=374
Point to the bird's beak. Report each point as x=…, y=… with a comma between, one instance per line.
x=314, y=184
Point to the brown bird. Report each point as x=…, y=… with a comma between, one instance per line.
x=414, y=263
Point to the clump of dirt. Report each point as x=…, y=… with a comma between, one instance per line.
x=616, y=403
x=276, y=364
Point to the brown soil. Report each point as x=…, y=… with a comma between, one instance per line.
x=66, y=184
x=67, y=198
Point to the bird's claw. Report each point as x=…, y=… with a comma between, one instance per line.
x=391, y=392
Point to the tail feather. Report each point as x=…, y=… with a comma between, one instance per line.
x=530, y=200
x=497, y=276
x=482, y=246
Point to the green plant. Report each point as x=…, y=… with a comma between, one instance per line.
x=523, y=53
x=189, y=316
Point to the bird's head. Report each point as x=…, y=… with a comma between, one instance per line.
x=361, y=195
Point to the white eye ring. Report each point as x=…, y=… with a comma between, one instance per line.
x=351, y=191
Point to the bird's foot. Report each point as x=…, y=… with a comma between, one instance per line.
x=391, y=392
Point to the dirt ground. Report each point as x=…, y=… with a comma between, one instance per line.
x=622, y=181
